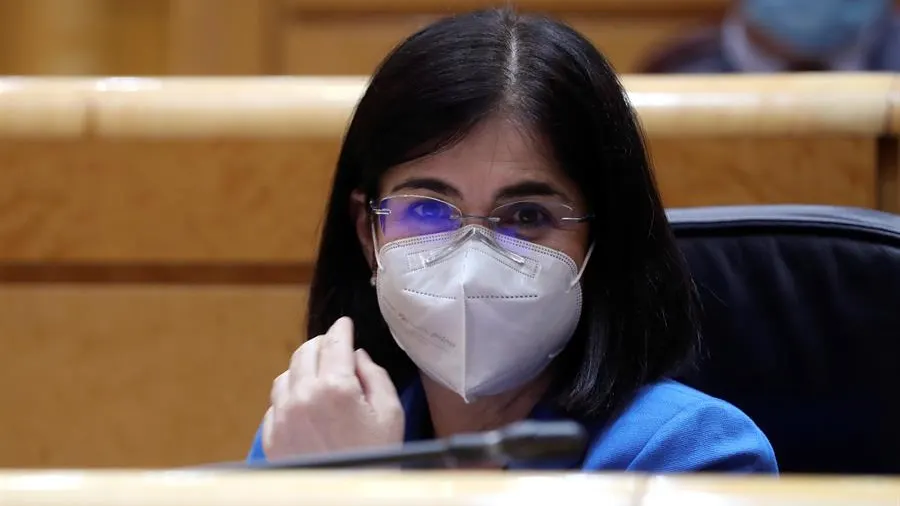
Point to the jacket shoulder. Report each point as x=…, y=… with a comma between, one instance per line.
x=670, y=427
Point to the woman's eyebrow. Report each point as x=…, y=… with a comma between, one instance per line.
x=529, y=189
x=434, y=185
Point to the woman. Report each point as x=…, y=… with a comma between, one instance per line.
x=495, y=249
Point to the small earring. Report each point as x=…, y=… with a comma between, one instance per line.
x=372, y=279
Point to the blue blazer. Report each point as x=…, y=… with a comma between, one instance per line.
x=667, y=428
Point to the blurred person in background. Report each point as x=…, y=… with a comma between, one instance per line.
x=765, y=36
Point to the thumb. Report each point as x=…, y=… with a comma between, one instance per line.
x=377, y=385
x=267, y=430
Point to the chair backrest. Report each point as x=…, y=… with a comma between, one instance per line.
x=801, y=322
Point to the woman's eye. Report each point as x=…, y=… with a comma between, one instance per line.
x=531, y=216
x=428, y=210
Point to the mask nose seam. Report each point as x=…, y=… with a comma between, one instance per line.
x=509, y=297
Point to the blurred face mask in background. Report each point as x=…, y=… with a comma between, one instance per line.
x=815, y=28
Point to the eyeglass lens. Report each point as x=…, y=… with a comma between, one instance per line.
x=404, y=216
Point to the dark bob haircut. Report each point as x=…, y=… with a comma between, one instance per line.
x=638, y=323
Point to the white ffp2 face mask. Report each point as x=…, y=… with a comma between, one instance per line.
x=479, y=312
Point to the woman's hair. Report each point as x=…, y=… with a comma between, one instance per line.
x=637, y=322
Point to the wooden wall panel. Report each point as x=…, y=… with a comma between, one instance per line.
x=259, y=37
x=83, y=37
x=349, y=37
x=553, y=6
x=225, y=202
x=223, y=37
x=193, y=173
x=344, y=37
x=130, y=37
x=352, y=45
x=52, y=36
x=819, y=170
x=136, y=41
x=134, y=201
x=889, y=182
x=139, y=375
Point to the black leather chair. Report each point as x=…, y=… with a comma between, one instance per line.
x=801, y=321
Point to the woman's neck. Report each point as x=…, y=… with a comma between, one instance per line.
x=451, y=415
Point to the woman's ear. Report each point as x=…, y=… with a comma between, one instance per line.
x=359, y=210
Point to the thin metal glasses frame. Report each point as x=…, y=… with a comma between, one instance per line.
x=461, y=216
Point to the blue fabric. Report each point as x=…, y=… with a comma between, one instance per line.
x=668, y=428
x=257, y=454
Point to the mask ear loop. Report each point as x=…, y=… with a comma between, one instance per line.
x=375, y=251
x=587, y=257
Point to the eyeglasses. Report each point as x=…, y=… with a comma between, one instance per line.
x=404, y=216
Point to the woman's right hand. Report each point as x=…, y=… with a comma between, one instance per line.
x=331, y=399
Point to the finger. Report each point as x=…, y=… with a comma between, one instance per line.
x=304, y=362
x=280, y=389
x=336, y=351
x=268, y=430
x=377, y=385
